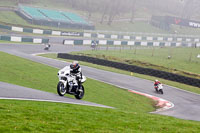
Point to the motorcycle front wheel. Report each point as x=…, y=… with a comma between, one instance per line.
x=161, y=91
x=61, y=89
x=80, y=93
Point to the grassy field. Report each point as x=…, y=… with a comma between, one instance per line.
x=175, y=84
x=18, y=116
x=130, y=114
x=8, y=3
x=143, y=27
x=11, y=17
x=182, y=60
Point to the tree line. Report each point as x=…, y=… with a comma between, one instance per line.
x=110, y=9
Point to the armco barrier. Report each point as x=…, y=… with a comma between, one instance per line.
x=132, y=68
x=23, y=39
x=41, y=31
x=172, y=39
x=130, y=43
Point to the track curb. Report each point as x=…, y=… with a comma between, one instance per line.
x=161, y=103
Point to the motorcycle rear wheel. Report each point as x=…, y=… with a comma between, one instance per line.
x=61, y=89
x=80, y=92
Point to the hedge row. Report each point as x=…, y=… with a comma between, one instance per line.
x=132, y=68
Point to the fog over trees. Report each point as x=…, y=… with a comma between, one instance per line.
x=110, y=9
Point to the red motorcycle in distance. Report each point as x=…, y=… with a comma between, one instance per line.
x=159, y=88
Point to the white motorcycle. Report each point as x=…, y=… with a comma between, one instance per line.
x=47, y=47
x=69, y=84
x=159, y=88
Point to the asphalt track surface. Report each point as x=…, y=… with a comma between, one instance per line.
x=186, y=104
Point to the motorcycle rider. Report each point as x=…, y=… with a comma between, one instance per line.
x=156, y=83
x=47, y=46
x=76, y=71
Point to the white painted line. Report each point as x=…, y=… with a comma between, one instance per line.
x=131, y=43
x=37, y=31
x=69, y=42
x=196, y=40
x=143, y=43
x=170, y=39
x=19, y=29
x=35, y=40
x=87, y=42
x=58, y=33
x=179, y=39
x=160, y=38
x=103, y=42
x=117, y=43
x=87, y=34
x=138, y=38
x=54, y=101
x=150, y=38
x=127, y=37
x=101, y=36
x=114, y=36
x=156, y=43
x=16, y=39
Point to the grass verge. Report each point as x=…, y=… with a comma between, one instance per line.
x=182, y=60
x=26, y=116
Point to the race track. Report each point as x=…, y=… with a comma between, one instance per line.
x=187, y=104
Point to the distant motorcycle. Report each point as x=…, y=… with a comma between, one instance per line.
x=69, y=84
x=47, y=46
x=159, y=88
x=93, y=45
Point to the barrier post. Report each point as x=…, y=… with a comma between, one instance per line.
x=153, y=52
x=135, y=50
x=190, y=58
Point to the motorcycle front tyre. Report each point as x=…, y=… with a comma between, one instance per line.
x=80, y=93
x=60, y=89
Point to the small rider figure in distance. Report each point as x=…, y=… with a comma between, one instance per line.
x=156, y=83
x=76, y=71
x=93, y=45
x=47, y=46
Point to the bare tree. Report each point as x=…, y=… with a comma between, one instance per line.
x=133, y=9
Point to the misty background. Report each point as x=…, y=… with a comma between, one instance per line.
x=110, y=10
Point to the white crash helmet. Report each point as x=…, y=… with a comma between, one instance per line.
x=74, y=65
